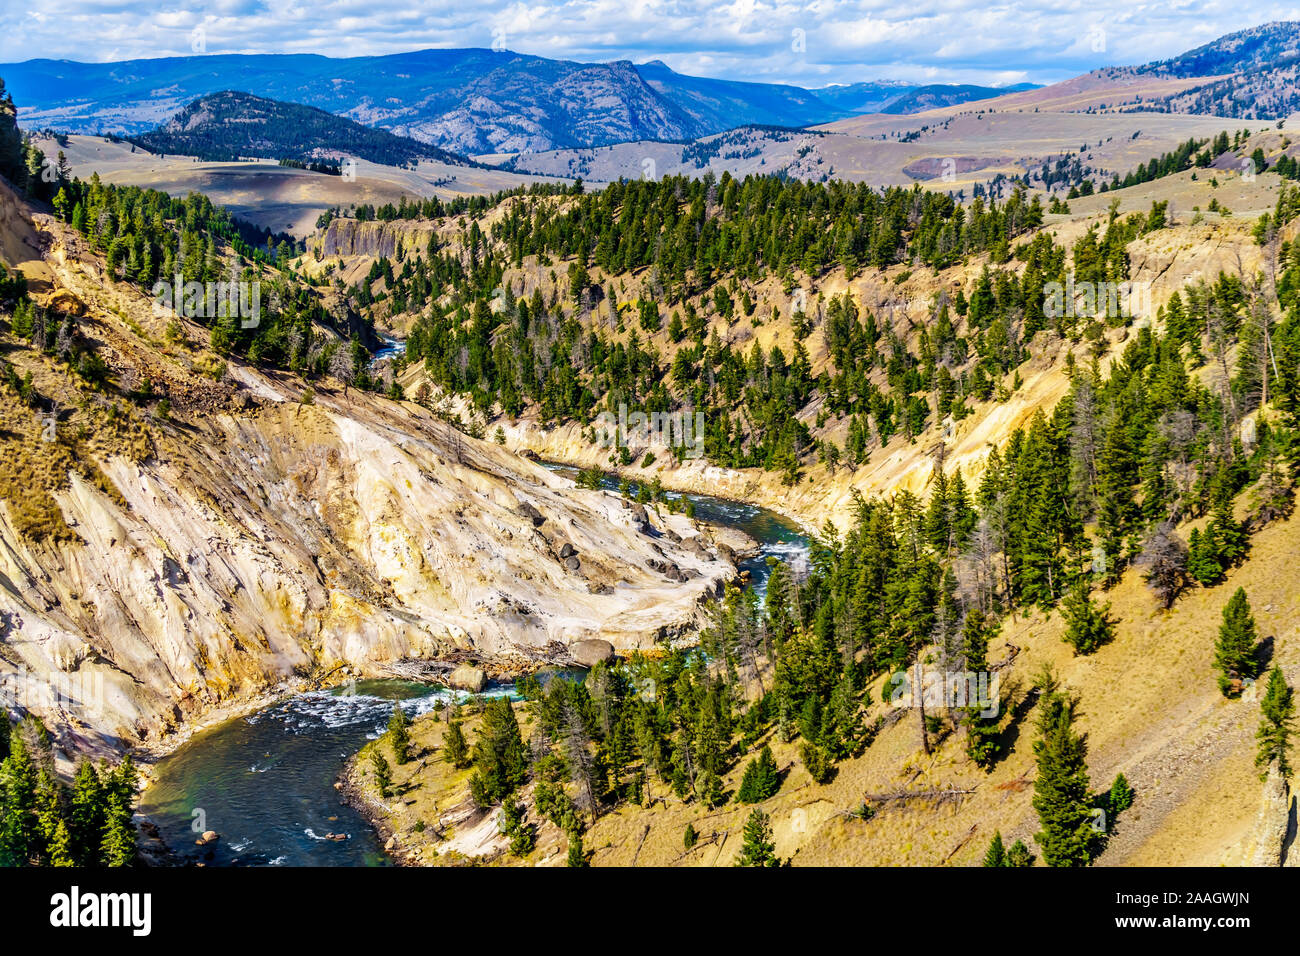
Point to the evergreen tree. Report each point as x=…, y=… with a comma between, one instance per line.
x=50, y=814
x=981, y=718
x=1088, y=626
x=758, y=848
x=18, y=836
x=761, y=779
x=1061, y=794
x=816, y=762
x=118, y=847
x=996, y=855
x=86, y=814
x=1019, y=855
x=1274, y=734
x=1234, y=653
x=689, y=836
x=577, y=855
x=398, y=734
x=454, y=748
x=709, y=787
x=1121, y=796
x=523, y=836
x=1203, y=563
x=383, y=773
x=500, y=758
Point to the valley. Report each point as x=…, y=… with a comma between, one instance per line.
x=602, y=465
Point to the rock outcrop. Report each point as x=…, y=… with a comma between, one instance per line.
x=591, y=652
x=262, y=539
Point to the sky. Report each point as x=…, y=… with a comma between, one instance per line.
x=810, y=44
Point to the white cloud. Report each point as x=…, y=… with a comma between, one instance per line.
x=845, y=40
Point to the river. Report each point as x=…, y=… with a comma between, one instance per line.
x=265, y=781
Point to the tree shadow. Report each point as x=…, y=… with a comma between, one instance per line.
x=1264, y=654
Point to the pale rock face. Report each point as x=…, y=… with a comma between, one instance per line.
x=311, y=539
x=272, y=540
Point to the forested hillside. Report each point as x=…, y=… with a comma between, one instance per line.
x=227, y=126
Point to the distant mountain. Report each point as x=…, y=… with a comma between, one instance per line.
x=230, y=125
x=1267, y=47
x=937, y=95
x=467, y=101
x=893, y=96
x=726, y=104
x=1264, y=63
x=870, y=97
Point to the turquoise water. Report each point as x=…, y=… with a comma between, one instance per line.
x=776, y=535
x=265, y=782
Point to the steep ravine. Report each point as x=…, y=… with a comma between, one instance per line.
x=266, y=540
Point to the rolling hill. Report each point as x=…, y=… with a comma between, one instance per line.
x=230, y=125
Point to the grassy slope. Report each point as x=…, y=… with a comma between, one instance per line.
x=1150, y=707
x=1149, y=700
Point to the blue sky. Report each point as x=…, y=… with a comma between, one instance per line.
x=809, y=43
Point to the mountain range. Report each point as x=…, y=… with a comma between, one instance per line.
x=479, y=102
x=471, y=101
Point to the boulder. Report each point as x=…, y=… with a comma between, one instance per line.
x=572, y=562
x=567, y=550
x=696, y=546
x=468, y=677
x=530, y=512
x=591, y=652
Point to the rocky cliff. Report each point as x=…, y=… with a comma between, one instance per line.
x=196, y=555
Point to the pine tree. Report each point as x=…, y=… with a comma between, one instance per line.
x=1228, y=532
x=996, y=855
x=982, y=744
x=577, y=855
x=1234, y=653
x=1121, y=796
x=523, y=836
x=1088, y=626
x=816, y=762
x=689, y=836
x=500, y=757
x=18, y=835
x=761, y=779
x=118, y=846
x=454, y=748
x=59, y=846
x=383, y=773
x=1203, y=558
x=1274, y=734
x=86, y=814
x=399, y=735
x=758, y=848
x=1061, y=793
x=1019, y=855
x=709, y=785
